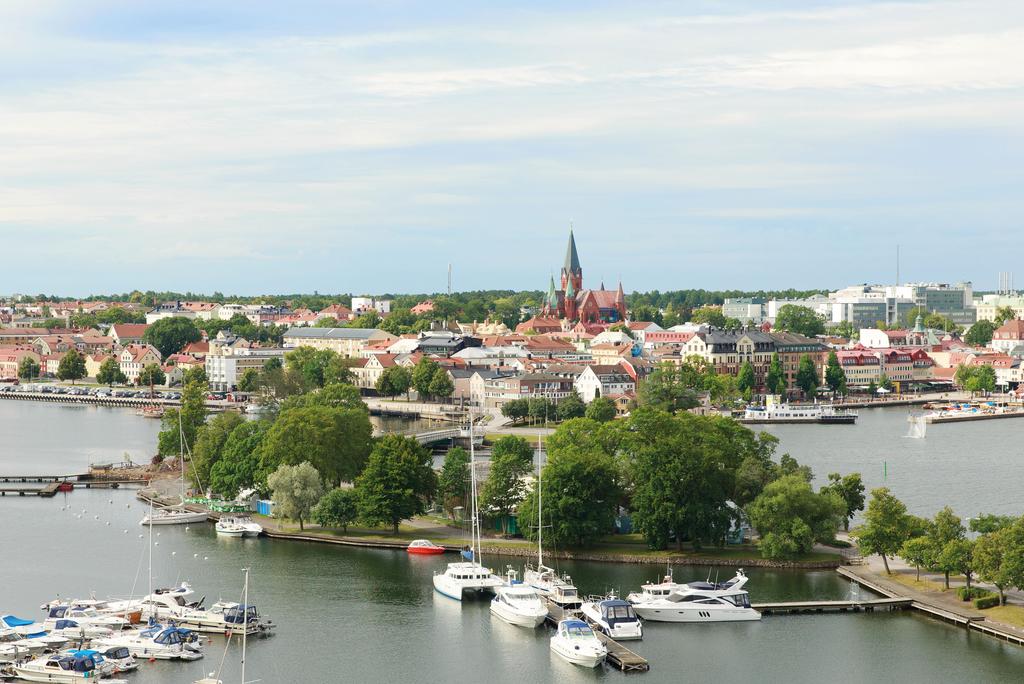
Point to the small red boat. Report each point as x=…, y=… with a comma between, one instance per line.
x=424, y=547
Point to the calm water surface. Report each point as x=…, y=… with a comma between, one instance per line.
x=364, y=615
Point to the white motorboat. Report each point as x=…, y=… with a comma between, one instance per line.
x=653, y=591
x=238, y=526
x=614, y=617
x=62, y=669
x=120, y=657
x=16, y=646
x=75, y=632
x=85, y=616
x=222, y=617
x=468, y=575
x=576, y=642
x=519, y=604
x=213, y=677
x=173, y=515
x=157, y=641
x=124, y=661
x=700, y=602
x=33, y=632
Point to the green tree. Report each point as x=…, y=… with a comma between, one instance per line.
x=582, y=484
x=885, y=383
x=333, y=395
x=709, y=315
x=319, y=367
x=886, y=526
x=170, y=335
x=28, y=368
x=110, y=373
x=746, y=380
x=807, y=375
x=1004, y=314
x=800, y=320
x=918, y=551
x=980, y=334
x=192, y=416
x=152, y=374
x=393, y=381
x=250, y=380
x=540, y=409
x=422, y=375
x=872, y=388
x=239, y=466
x=72, y=366
x=453, y=482
x=337, y=508
x=335, y=441
x=210, y=442
x=441, y=385
x=775, y=379
x=988, y=522
x=196, y=375
x=601, y=409
x=945, y=529
x=994, y=561
x=851, y=490
x=513, y=447
x=791, y=517
x=370, y=319
x=296, y=490
x=844, y=329
x=957, y=556
x=570, y=407
x=396, y=483
x=835, y=376
x=516, y=409
x=669, y=389
x=504, y=488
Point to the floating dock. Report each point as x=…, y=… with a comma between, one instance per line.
x=868, y=606
x=618, y=655
x=968, y=416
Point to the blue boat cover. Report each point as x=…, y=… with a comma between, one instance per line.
x=12, y=621
x=467, y=554
x=578, y=624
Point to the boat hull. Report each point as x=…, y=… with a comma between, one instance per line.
x=675, y=614
x=425, y=551
x=583, y=658
x=516, y=618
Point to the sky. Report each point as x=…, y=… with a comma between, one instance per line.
x=261, y=147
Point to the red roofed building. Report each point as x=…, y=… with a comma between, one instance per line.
x=1008, y=336
x=128, y=333
x=575, y=303
x=540, y=325
x=423, y=307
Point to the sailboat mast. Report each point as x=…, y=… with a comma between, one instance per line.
x=150, y=547
x=475, y=525
x=181, y=455
x=245, y=618
x=540, y=508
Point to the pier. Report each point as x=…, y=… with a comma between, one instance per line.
x=618, y=655
x=48, y=485
x=868, y=606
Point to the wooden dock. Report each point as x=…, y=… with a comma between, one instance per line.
x=49, y=485
x=618, y=655
x=868, y=606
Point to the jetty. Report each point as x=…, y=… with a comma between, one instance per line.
x=48, y=485
x=867, y=606
x=618, y=655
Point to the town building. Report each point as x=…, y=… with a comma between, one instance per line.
x=124, y=334
x=574, y=303
x=603, y=381
x=791, y=349
x=348, y=342
x=746, y=310
x=134, y=357
x=226, y=363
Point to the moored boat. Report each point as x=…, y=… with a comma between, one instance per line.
x=424, y=547
x=775, y=411
x=62, y=669
x=576, y=642
x=613, y=616
x=518, y=604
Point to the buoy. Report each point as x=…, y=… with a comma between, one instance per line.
x=108, y=523
x=195, y=555
x=156, y=543
x=186, y=528
x=206, y=558
x=174, y=553
x=95, y=517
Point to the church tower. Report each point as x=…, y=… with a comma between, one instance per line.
x=572, y=277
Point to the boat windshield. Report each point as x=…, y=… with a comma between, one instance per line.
x=619, y=612
x=525, y=597
x=117, y=653
x=240, y=614
x=578, y=631
x=741, y=599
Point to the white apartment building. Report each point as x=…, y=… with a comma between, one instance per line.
x=226, y=364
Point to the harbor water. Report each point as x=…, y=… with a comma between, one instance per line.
x=347, y=614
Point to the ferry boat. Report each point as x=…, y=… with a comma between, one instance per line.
x=780, y=412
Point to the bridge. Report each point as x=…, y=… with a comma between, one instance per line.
x=434, y=436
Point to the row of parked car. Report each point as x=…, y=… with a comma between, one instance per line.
x=88, y=391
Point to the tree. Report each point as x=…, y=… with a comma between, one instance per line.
x=775, y=379
x=250, y=380
x=110, y=373
x=319, y=367
x=800, y=320
x=945, y=529
x=709, y=315
x=957, y=556
x=28, y=368
x=453, y=482
x=296, y=490
x=992, y=559
x=980, y=334
x=918, y=551
x=976, y=378
x=185, y=421
x=601, y=409
x=72, y=366
x=570, y=407
x=1004, y=314
x=422, y=375
x=393, y=381
x=885, y=383
x=396, y=483
x=210, y=442
x=581, y=483
x=170, y=335
x=540, y=408
x=334, y=395
x=851, y=490
x=504, y=488
x=239, y=466
x=872, y=388
x=516, y=409
x=887, y=526
x=441, y=385
x=337, y=508
x=746, y=380
x=335, y=441
x=844, y=329
x=988, y=522
x=669, y=389
x=791, y=517
x=807, y=375
x=151, y=375
x=835, y=376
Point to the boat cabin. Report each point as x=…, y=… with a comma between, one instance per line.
x=615, y=611
x=240, y=614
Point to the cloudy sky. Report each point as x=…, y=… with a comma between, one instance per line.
x=338, y=146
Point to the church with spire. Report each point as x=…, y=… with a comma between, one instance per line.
x=574, y=303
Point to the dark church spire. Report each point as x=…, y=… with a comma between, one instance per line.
x=572, y=259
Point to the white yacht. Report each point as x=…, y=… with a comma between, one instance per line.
x=62, y=669
x=221, y=617
x=157, y=641
x=16, y=647
x=613, y=616
x=576, y=642
x=469, y=575
x=776, y=411
x=699, y=602
x=238, y=526
x=85, y=616
x=177, y=514
x=518, y=604
x=214, y=677
x=121, y=659
x=75, y=632
x=33, y=633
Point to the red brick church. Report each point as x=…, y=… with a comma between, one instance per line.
x=574, y=303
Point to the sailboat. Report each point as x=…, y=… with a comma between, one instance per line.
x=469, y=575
x=214, y=678
x=558, y=588
x=177, y=514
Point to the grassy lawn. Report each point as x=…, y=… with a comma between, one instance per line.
x=1011, y=615
x=920, y=585
x=492, y=437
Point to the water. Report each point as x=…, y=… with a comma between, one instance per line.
x=371, y=615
